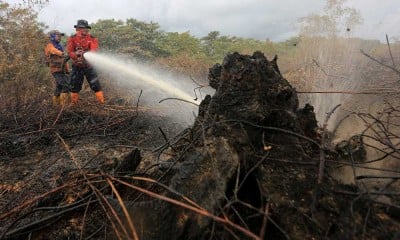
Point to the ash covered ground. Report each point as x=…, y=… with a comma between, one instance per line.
x=254, y=165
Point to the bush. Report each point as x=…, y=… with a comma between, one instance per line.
x=23, y=74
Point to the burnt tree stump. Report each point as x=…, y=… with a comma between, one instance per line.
x=254, y=160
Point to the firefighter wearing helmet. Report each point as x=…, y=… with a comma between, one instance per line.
x=77, y=46
x=57, y=61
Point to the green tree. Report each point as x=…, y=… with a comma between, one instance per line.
x=147, y=36
x=216, y=47
x=209, y=42
x=185, y=54
x=111, y=33
x=133, y=37
x=177, y=43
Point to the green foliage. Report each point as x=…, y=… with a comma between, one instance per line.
x=177, y=43
x=216, y=47
x=111, y=33
x=132, y=37
x=148, y=41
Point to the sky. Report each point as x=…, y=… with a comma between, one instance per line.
x=276, y=20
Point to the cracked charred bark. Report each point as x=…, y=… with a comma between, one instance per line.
x=247, y=128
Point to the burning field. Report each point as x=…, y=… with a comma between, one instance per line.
x=254, y=164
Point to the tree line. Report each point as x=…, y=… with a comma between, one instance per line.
x=23, y=37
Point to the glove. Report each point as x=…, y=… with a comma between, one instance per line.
x=79, y=53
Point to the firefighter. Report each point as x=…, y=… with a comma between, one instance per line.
x=77, y=45
x=57, y=61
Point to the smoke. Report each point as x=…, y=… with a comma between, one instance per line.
x=336, y=65
x=174, y=96
x=379, y=131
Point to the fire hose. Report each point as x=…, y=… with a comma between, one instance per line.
x=79, y=54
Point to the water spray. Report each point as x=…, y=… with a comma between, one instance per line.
x=162, y=90
x=135, y=71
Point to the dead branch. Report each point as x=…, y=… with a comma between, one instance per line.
x=200, y=211
x=324, y=145
x=380, y=62
x=34, y=200
x=179, y=99
x=42, y=223
x=390, y=51
x=126, y=213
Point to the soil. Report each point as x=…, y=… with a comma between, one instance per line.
x=248, y=168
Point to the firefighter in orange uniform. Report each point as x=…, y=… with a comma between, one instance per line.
x=77, y=46
x=57, y=61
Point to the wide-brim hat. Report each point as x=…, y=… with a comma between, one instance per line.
x=82, y=24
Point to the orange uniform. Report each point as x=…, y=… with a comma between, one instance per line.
x=55, y=59
x=81, y=42
x=58, y=67
x=77, y=45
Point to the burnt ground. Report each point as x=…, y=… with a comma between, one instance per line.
x=253, y=165
x=41, y=152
